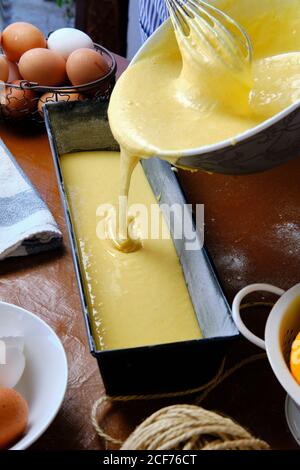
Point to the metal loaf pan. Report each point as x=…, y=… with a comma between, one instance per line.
x=160, y=368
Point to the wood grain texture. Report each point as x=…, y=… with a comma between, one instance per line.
x=238, y=215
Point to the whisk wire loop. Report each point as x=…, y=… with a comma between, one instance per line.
x=217, y=30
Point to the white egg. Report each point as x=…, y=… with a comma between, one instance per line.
x=12, y=371
x=64, y=41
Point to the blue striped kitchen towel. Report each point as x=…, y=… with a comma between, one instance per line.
x=26, y=224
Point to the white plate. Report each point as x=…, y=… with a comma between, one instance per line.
x=44, y=381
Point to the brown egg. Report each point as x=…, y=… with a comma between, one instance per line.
x=17, y=103
x=14, y=73
x=54, y=98
x=45, y=67
x=20, y=37
x=13, y=417
x=85, y=66
x=4, y=70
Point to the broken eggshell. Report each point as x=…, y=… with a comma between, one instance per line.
x=14, y=361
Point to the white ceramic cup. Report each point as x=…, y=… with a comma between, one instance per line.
x=282, y=326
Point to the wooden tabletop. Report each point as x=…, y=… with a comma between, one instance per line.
x=251, y=226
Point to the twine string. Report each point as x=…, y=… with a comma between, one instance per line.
x=206, y=389
x=186, y=426
x=189, y=427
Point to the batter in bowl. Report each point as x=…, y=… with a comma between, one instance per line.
x=169, y=102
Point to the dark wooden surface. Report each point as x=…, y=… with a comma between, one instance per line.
x=252, y=224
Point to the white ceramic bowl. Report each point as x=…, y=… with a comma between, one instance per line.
x=44, y=381
x=281, y=329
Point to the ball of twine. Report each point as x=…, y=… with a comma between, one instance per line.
x=189, y=427
x=185, y=427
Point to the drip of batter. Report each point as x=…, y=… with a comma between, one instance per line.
x=124, y=236
x=172, y=100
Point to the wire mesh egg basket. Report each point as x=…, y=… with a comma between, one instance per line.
x=24, y=101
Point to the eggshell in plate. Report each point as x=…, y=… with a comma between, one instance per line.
x=14, y=342
x=64, y=41
x=56, y=97
x=85, y=66
x=45, y=67
x=4, y=68
x=20, y=37
x=13, y=417
x=12, y=371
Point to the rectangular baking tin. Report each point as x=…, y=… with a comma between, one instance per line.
x=151, y=369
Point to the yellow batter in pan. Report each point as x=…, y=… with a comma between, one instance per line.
x=135, y=299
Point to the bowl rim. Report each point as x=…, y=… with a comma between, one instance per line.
x=223, y=144
x=272, y=340
x=64, y=380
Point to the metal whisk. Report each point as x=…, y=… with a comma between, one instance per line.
x=218, y=32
